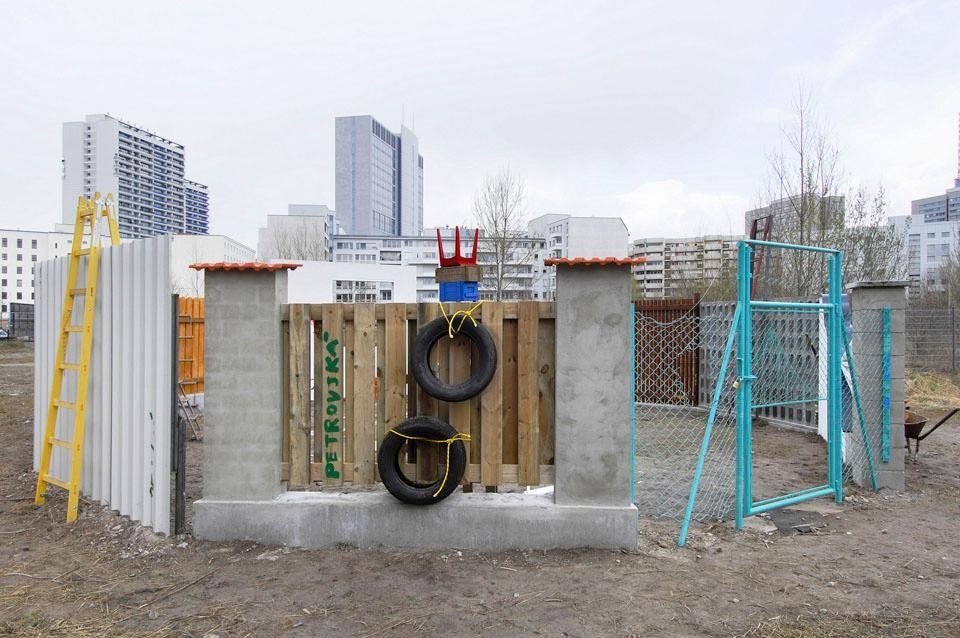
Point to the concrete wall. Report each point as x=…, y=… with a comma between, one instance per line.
x=594, y=446
x=243, y=402
x=867, y=299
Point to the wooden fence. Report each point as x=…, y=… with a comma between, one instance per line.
x=668, y=351
x=356, y=360
x=190, y=344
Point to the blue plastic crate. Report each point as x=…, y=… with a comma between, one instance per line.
x=459, y=291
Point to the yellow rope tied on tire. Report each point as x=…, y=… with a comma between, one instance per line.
x=464, y=314
x=459, y=436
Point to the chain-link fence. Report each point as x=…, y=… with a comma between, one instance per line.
x=790, y=389
x=932, y=339
x=671, y=421
x=21, y=321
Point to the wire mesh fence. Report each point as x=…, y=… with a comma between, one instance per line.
x=791, y=386
x=671, y=421
x=931, y=339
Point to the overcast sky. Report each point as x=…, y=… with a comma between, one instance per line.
x=658, y=113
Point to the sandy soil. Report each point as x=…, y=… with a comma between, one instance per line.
x=886, y=564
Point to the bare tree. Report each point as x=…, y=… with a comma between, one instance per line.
x=501, y=216
x=807, y=198
x=303, y=239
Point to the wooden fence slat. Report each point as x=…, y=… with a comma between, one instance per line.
x=509, y=366
x=546, y=386
x=285, y=390
x=460, y=356
x=330, y=386
x=395, y=377
x=346, y=421
x=299, y=396
x=528, y=403
x=427, y=405
x=491, y=403
x=364, y=402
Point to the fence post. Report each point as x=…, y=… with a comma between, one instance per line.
x=867, y=301
x=953, y=339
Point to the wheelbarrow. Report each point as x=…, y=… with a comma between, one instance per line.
x=914, y=423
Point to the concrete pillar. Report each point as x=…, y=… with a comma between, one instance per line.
x=867, y=299
x=594, y=446
x=243, y=394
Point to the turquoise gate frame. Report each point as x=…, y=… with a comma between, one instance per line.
x=745, y=505
x=742, y=328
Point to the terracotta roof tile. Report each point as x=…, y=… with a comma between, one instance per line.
x=245, y=265
x=595, y=261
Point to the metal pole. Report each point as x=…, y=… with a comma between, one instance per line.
x=834, y=428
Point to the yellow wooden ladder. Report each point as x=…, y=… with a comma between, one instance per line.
x=86, y=242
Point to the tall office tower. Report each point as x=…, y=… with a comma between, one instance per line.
x=196, y=209
x=143, y=170
x=379, y=178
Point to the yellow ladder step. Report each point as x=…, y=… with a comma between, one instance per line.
x=74, y=329
x=65, y=404
x=81, y=251
x=70, y=366
x=52, y=480
x=77, y=292
x=61, y=443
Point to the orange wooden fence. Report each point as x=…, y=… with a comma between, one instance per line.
x=360, y=384
x=190, y=344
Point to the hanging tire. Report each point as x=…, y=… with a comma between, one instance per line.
x=406, y=489
x=486, y=366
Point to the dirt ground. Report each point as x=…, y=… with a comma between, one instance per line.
x=886, y=564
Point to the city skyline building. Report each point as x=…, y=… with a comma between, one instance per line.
x=302, y=233
x=379, y=178
x=682, y=266
x=145, y=172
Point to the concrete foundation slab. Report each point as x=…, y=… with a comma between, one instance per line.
x=477, y=521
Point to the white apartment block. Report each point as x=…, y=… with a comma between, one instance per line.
x=575, y=236
x=929, y=244
x=525, y=270
x=20, y=250
x=675, y=267
x=143, y=171
x=341, y=282
x=301, y=234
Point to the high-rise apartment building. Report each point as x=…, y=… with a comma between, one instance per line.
x=819, y=213
x=144, y=171
x=680, y=267
x=379, y=178
x=302, y=234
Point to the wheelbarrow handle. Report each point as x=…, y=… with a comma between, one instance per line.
x=938, y=424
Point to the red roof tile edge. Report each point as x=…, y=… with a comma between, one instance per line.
x=245, y=265
x=595, y=261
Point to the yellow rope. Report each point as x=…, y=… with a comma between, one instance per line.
x=459, y=436
x=466, y=314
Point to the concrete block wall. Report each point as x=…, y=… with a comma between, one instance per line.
x=594, y=369
x=242, y=417
x=867, y=300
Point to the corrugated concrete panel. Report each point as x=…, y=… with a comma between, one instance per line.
x=126, y=462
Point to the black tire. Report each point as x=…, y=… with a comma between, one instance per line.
x=487, y=365
x=388, y=462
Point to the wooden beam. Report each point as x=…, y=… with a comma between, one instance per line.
x=364, y=401
x=491, y=403
x=299, y=396
x=528, y=401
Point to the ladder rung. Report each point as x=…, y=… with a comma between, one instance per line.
x=52, y=480
x=70, y=366
x=77, y=292
x=82, y=251
x=61, y=443
x=74, y=329
x=65, y=404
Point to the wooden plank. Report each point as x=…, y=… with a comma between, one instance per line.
x=460, y=357
x=346, y=423
x=510, y=474
x=491, y=403
x=395, y=364
x=412, y=393
x=510, y=311
x=427, y=456
x=509, y=367
x=379, y=395
x=364, y=401
x=285, y=390
x=546, y=387
x=330, y=386
x=528, y=400
x=299, y=396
